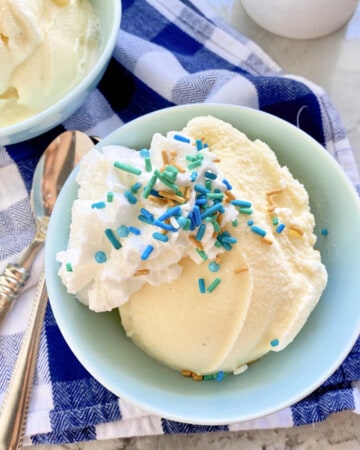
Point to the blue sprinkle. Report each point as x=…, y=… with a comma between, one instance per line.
x=98, y=205
x=214, y=266
x=242, y=203
x=182, y=221
x=100, y=257
x=160, y=236
x=145, y=219
x=199, y=144
x=193, y=176
x=135, y=187
x=280, y=228
x=227, y=184
x=212, y=209
x=196, y=216
x=229, y=240
x=324, y=232
x=200, y=232
x=144, y=153
x=201, y=201
x=164, y=226
x=112, y=238
x=122, y=231
x=170, y=212
x=202, y=189
x=147, y=252
x=147, y=214
x=250, y=223
x=220, y=376
x=130, y=197
x=274, y=342
x=201, y=283
x=181, y=138
x=210, y=175
x=258, y=230
x=134, y=230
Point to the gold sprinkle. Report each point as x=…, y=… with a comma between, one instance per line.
x=274, y=192
x=266, y=240
x=171, y=196
x=141, y=272
x=241, y=269
x=196, y=377
x=179, y=168
x=272, y=207
x=297, y=229
x=187, y=193
x=186, y=373
x=165, y=157
x=217, y=160
x=218, y=258
x=197, y=243
x=159, y=200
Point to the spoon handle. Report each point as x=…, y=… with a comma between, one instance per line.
x=14, y=277
x=16, y=402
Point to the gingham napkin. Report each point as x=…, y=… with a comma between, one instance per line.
x=168, y=52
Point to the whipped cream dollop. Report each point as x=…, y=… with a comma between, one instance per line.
x=139, y=213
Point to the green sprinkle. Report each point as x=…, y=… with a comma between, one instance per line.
x=215, y=195
x=165, y=181
x=214, y=266
x=275, y=221
x=109, y=196
x=150, y=185
x=216, y=226
x=202, y=254
x=248, y=211
x=213, y=285
x=100, y=257
x=127, y=168
x=201, y=284
x=69, y=267
x=209, y=377
x=194, y=164
x=235, y=223
x=148, y=165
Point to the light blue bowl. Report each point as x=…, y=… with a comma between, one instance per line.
x=278, y=379
x=109, y=12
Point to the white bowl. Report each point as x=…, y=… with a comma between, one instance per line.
x=109, y=13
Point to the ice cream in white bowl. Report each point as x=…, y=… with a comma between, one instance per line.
x=52, y=54
x=270, y=383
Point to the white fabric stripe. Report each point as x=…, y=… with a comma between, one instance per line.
x=105, y=127
x=356, y=395
x=38, y=419
x=239, y=90
x=281, y=419
x=12, y=187
x=159, y=68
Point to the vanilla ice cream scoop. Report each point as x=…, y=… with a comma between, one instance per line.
x=46, y=47
x=203, y=241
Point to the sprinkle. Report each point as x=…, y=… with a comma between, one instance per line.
x=165, y=181
x=213, y=285
x=242, y=203
x=201, y=284
x=324, y=232
x=109, y=196
x=160, y=236
x=171, y=196
x=69, y=267
x=200, y=232
x=266, y=240
x=194, y=164
x=147, y=252
x=163, y=225
x=241, y=269
x=202, y=254
x=197, y=243
x=100, y=257
x=220, y=376
x=201, y=201
x=112, y=238
x=130, y=197
x=229, y=196
x=240, y=369
x=193, y=176
x=186, y=373
x=182, y=221
x=209, y=377
x=227, y=184
x=201, y=189
x=127, y=168
x=250, y=223
x=274, y=342
x=199, y=144
x=150, y=185
x=235, y=223
x=216, y=226
x=159, y=200
x=140, y=272
x=272, y=207
x=98, y=205
x=210, y=175
x=196, y=377
x=181, y=138
x=144, y=153
x=215, y=195
x=212, y=209
x=247, y=211
x=214, y=267
x=196, y=216
x=135, y=187
x=145, y=219
x=175, y=211
x=258, y=230
x=122, y=231
x=147, y=214
x=297, y=229
x=135, y=230
x=275, y=221
x=280, y=228
x=274, y=191
x=165, y=157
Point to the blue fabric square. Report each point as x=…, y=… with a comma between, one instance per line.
x=172, y=427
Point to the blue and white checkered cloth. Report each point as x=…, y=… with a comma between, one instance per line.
x=168, y=52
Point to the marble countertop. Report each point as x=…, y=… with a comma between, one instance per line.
x=333, y=63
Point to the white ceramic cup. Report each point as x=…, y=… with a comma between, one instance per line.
x=300, y=19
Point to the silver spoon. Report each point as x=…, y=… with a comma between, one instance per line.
x=54, y=167
x=52, y=170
